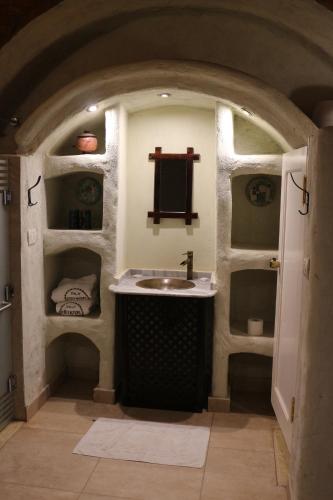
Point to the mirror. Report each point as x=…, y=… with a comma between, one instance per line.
x=173, y=185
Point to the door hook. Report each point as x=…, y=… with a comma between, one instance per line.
x=30, y=204
x=306, y=195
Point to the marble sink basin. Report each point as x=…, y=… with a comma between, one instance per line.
x=165, y=284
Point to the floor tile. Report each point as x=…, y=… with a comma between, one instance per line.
x=244, y=421
x=141, y=481
x=74, y=388
x=71, y=415
x=18, y=492
x=251, y=402
x=177, y=417
x=36, y=457
x=282, y=458
x=245, y=438
x=88, y=496
x=243, y=493
x=8, y=432
x=242, y=469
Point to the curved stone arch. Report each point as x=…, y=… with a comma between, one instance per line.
x=58, y=246
x=279, y=114
x=61, y=333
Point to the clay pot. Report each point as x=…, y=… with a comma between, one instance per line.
x=86, y=142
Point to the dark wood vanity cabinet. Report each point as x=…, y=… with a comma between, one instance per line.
x=163, y=351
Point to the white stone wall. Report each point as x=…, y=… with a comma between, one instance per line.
x=230, y=259
x=40, y=325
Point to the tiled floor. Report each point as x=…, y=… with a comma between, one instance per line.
x=37, y=463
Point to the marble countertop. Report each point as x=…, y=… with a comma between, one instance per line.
x=126, y=283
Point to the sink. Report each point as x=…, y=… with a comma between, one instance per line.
x=165, y=284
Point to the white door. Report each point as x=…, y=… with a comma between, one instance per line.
x=289, y=294
x=6, y=400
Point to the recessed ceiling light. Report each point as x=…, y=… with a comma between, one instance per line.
x=92, y=108
x=246, y=112
x=164, y=95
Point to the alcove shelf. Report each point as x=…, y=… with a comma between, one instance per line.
x=75, y=201
x=255, y=227
x=76, y=372
x=252, y=294
x=71, y=263
x=250, y=380
x=94, y=123
x=240, y=328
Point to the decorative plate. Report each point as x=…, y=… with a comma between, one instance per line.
x=260, y=191
x=89, y=191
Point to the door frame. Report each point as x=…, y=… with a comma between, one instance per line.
x=283, y=414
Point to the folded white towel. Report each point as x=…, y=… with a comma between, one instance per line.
x=75, y=289
x=75, y=307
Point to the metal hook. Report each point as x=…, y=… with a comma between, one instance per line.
x=30, y=204
x=306, y=195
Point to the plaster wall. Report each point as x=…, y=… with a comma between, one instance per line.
x=121, y=253
x=33, y=319
x=60, y=253
x=312, y=454
x=55, y=365
x=229, y=339
x=161, y=246
x=251, y=140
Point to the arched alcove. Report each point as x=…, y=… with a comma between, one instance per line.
x=250, y=379
x=67, y=204
x=72, y=366
x=255, y=225
x=71, y=263
x=252, y=295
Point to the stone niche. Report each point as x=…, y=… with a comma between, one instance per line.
x=64, y=196
x=95, y=124
x=72, y=263
x=254, y=227
x=252, y=294
x=250, y=380
x=72, y=366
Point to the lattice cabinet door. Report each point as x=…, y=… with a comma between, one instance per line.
x=164, y=350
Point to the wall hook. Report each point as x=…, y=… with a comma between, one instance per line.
x=30, y=204
x=306, y=195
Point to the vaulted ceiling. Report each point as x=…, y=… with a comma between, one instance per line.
x=52, y=45
x=14, y=14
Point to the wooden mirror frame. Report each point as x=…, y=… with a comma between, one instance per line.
x=157, y=213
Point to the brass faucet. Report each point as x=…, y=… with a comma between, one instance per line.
x=189, y=264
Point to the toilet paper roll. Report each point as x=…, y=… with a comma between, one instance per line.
x=255, y=326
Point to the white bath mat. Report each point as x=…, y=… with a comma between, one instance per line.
x=158, y=443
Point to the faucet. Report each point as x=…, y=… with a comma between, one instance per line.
x=189, y=264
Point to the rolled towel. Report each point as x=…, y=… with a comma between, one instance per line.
x=75, y=289
x=75, y=307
